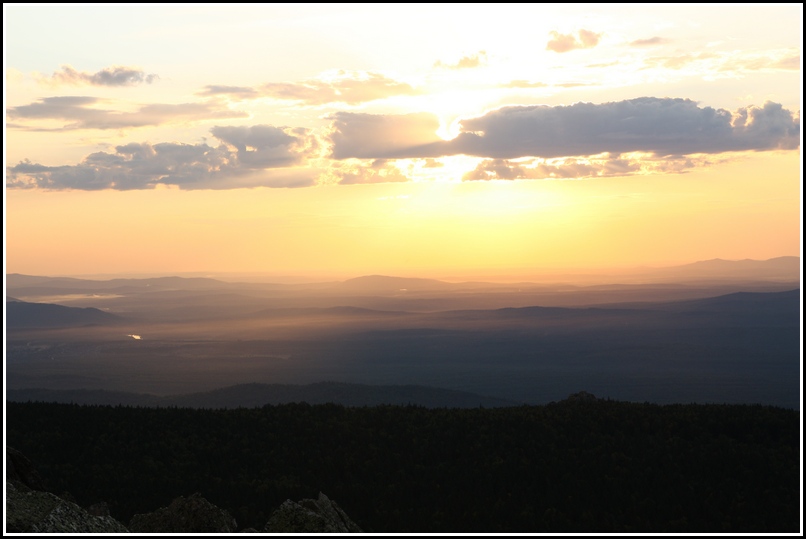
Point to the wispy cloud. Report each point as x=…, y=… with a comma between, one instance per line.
x=109, y=76
x=238, y=92
x=650, y=42
x=603, y=64
x=378, y=171
x=580, y=168
x=470, y=61
x=346, y=87
x=573, y=84
x=789, y=63
x=585, y=39
x=678, y=61
x=80, y=112
x=525, y=84
x=728, y=63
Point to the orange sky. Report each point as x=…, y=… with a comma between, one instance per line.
x=287, y=140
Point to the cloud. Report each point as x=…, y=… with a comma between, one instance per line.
x=466, y=62
x=346, y=87
x=79, y=112
x=638, y=136
x=658, y=126
x=605, y=64
x=789, y=63
x=528, y=84
x=432, y=163
x=759, y=62
x=573, y=84
x=265, y=146
x=496, y=169
x=525, y=84
x=661, y=126
x=679, y=61
x=247, y=157
x=372, y=136
x=238, y=92
x=379, y=171
x=576, y=168
x=109, y=76
x=567, y=42
x=729, y=63
x=589, y=39
x=650, y=42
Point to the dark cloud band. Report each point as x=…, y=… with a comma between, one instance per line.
x=660, y=126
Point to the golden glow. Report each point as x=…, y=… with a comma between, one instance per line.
x=427, y=219
x=413, y=228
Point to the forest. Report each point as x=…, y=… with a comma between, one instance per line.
x=578, y=465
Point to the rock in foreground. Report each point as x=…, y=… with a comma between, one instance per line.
x=31, y=511
x=20, y=469
x=193, y=514
x=310, y=516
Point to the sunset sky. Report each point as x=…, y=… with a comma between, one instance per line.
x=430, y=141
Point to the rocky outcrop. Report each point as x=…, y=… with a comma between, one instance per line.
x=20, y=469
x=29, y=509
x=100, y=509
x=32, y=511
x=193, y=514
x=310, y=516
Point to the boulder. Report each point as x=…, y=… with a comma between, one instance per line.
x=193, y=514
x=19, y=468
x=310, y=516
x=32, y=511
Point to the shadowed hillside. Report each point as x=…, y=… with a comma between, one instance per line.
x=579, y=465
x=20, y=314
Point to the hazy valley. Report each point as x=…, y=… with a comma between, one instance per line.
x=714, y=331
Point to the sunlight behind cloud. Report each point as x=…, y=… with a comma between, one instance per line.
x=203, y=140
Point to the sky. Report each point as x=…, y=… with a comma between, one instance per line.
x=430, y=140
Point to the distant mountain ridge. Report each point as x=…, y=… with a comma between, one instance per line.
x=257, y=395
x=21, y=314
x=785, y=268
x=17, y=280
x=742, y=300
x=386, y=284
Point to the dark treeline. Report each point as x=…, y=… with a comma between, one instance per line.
x=582, y=466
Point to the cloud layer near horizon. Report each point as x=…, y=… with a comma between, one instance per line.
x=581, y=140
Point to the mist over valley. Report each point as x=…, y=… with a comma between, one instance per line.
x=727, y=336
